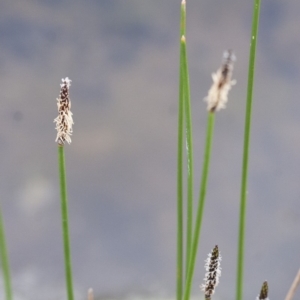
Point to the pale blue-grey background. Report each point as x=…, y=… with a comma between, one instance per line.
x=122, y=57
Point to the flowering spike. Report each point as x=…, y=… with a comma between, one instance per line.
x=218, y=93
x=64, y=121
x=263, y=292
x=213, y=273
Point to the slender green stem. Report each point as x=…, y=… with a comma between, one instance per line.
x=65, y=222
x=204, y=179
x=189, y=144
x=179, y=272
x=243, y=199
x=5, y=261
x=190, y=162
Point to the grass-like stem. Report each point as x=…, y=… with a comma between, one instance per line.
x=180, y=143
x=243, y=198
x=189, y=140
x=203, y=186
x=65, y=222
x=5, y=261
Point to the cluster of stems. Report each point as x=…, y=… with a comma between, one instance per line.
x=216, y=99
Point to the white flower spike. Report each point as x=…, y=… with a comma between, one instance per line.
x=213, y=273
x=218, y=93
x=64, y=121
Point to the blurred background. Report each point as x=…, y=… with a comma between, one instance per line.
x=122, y=57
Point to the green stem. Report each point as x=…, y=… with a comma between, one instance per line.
x=189, y=145
x=65, y=222
x=204, y=179
x=5, y=261
x=179, y=271
x=243, y=199
x=179, y=277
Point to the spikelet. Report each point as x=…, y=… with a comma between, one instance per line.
x=64, y=121
x=218, y=93
x=213, y=273
x=263, y=292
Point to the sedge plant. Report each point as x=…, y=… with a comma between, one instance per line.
x=216, y=100
x=64, y=123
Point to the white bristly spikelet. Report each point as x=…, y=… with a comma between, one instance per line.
x=263, y=292
x=213, y=273
x=64, y=121
x=218, y=93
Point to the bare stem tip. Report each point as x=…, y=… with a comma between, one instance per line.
x=90, y=294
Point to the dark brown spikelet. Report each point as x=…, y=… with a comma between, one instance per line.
x=213, y=272
x=264, y=291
